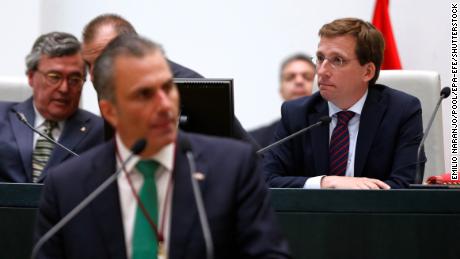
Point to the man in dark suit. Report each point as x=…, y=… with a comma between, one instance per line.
x=139, y=98
x=102, y=29
x=375, y=131
x=56, y=73
x=296, y=80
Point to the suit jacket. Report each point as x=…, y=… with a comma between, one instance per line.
x=180, y=71
x=390, y=132
x=235, y=197
x=264, y=135
x=82, y=131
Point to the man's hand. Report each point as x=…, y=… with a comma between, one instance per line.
x=345, y=182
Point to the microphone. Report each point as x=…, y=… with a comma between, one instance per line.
x=187, y=149
x=445, y=92
x=23, y=119
x=323, y=120
x=137, y=148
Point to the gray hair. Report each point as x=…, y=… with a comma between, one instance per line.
x=299, y=56
x=123, y=45
x=53, y=44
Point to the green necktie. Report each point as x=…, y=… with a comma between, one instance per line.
x=144, y=241
x=42, y=151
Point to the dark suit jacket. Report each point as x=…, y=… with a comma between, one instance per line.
x=82, y=131
x=390, y=131
x=264, y=135
x=235, y=197
x=180, y=71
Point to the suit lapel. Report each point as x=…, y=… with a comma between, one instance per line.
x=184, y=213
x=371, y=116
x=24, y=135
x=320, y=139
x=106, y=208
x=75, y=130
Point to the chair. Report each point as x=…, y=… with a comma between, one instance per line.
x=426, y=86
x=14, y=89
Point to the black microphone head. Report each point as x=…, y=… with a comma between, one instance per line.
x=445, y=92
x=139, y=146
x=185, y=144
x=325, y=119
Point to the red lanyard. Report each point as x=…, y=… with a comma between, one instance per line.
x=159, y=233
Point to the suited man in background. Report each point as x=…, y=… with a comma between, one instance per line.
x=296, y=80
x=102, y=29
x=56, y=73
x=140, y=100
x=375, y=131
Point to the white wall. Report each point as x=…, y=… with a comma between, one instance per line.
x=244, y=40
x=19, y=26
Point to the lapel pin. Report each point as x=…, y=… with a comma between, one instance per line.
x=198, y=176
x=83, y=129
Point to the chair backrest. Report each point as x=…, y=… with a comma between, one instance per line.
x=426, y=86
x=14, y=89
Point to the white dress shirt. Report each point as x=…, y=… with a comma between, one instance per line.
x=165, y=157
x=353, y=129
x=39, y=124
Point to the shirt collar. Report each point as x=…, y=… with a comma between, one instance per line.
x=164, y=157
x=357, y=108
x=40, y=120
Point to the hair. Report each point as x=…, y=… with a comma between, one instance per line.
x=123, y=45
x=120, y=25
x=369, y=41
x=296, y=57
x=53, y=44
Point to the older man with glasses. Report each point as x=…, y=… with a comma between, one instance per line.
x=56, y=72
x=372, y=140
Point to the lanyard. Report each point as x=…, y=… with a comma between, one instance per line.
x=159, y=232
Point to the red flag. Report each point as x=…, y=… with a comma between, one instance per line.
x=382, y=22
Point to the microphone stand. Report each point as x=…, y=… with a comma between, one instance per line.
x=322, y=120
x=445, y=92
x=187, y=149
x=23, y=119
x=136, y=149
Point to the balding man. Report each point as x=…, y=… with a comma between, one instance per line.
x=102, y=29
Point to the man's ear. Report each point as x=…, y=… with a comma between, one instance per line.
x=109, y=112
x=369, y=72
x=30, y=78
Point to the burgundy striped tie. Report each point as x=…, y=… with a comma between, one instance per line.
x=339, y=145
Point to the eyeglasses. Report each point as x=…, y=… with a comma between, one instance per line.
x=335, y=61
x=55, y=79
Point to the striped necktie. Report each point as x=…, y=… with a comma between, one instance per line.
x=145, y=243
x=42, y=151
x=340, y=144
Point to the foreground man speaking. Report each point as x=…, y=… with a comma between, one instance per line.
x=150, y=212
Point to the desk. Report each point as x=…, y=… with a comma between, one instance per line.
x=318, y=223
x=370, y=224
x=18, y=210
